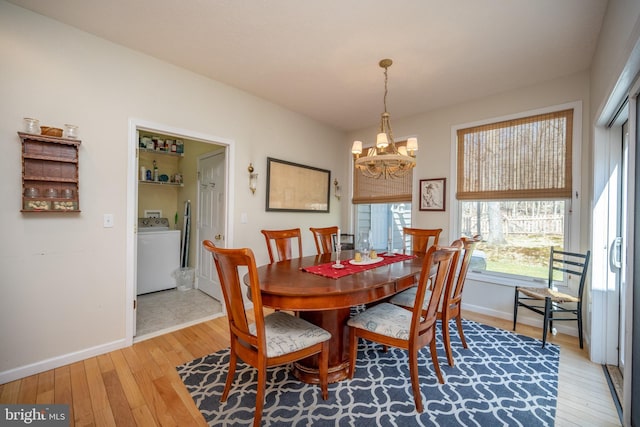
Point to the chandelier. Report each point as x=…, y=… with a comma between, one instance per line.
x=385, y=160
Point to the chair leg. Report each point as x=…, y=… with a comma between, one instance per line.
x=446, y=337
x=324, y=369
x=415, y=380
x=434, y=358
x=353, y=351
x=515, y=309
x=460, y=330
x=580, y=322
x=260, y=389
x=230, y=375
x=547, y=316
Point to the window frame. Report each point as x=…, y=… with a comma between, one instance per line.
x=573, y=218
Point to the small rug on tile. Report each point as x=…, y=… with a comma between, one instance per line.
x=502, y=379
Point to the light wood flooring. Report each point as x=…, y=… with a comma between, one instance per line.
x=139, y=386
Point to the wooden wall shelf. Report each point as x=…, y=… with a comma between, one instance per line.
x=49, y=174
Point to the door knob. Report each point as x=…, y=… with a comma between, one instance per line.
x=218, y=237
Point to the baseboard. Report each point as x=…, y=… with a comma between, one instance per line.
x=56, y=362
x=522, y=318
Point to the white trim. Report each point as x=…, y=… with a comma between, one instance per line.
x=136, y=124
x=574, y=232
x=630, y=255
x=56, y=362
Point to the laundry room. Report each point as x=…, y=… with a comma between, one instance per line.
x=168, y=295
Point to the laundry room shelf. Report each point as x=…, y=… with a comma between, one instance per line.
x=167, y=184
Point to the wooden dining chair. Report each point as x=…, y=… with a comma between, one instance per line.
x=275, y=339
x=450, y=308
x=325, y=239
x=418, y=240
x=548, y=301
x=392, y=325
x=283, y=241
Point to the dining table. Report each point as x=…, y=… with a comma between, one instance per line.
x=324, y=296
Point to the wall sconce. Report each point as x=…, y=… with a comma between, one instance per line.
x=253, y=179
x=336, y=189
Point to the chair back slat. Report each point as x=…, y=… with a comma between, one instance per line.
x=229, y=264
x=456, y=286
x=283, y=241
x=443, y=260
x=572, y=263
x=418, y=240
x=325, y=239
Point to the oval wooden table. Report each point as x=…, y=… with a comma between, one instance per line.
x=326, y=302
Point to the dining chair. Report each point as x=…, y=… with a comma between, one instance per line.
x=450, y=307
x=419, y=239
x=325, y=239
x=567, y=264
x=272, y=340
x=283, y=240
x=392, y=325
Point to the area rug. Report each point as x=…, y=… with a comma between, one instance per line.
x=502, y=379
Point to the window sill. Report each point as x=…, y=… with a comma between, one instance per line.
x=494, y=279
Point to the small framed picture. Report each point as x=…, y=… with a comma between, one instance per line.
x=433, y=194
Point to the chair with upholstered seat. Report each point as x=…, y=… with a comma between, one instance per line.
x=325, y=239
x=284, y=242
x=391, y=325
x=548, y=301
x=450, y=308
x=275, y=339
x=418, y=240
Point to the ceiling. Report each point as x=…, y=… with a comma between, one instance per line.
x=320, y=58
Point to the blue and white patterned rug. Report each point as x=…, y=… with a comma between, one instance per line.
x=502, y=379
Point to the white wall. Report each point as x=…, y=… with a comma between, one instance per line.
x=433, y=130
x=63, y=276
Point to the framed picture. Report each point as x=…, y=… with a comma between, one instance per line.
x=433, y=194
x=292, y=187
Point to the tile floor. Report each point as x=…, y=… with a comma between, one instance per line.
x=160, y=312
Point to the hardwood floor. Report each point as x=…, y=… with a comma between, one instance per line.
x=139, y=386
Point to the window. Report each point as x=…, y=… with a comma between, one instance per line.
x=514, y=187
x=382, y=206
x=385, y=220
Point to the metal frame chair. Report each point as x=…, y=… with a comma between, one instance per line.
x=571, y=263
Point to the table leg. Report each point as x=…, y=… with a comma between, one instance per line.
x=334, y=321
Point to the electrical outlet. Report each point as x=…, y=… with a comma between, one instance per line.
x=108, y=221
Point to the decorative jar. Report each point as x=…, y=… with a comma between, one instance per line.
x=31, y=125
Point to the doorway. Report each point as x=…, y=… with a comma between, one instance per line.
x=192, y=303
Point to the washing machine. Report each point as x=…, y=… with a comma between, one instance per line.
x=158, y=255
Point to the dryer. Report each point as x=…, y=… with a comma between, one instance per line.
x=158, y=255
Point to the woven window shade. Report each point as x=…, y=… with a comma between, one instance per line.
x=371, y=190
x=526, y=158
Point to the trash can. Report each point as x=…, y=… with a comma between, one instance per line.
x=185, y=277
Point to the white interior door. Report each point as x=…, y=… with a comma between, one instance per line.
x=211, y=218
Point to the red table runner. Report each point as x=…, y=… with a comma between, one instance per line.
x=326, y=270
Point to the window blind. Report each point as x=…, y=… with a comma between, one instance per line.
x=525, y=158
x=372, y=190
